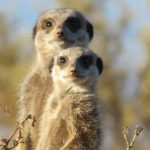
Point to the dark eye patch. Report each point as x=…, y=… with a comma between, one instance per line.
x=73, y=24
x=86, y=61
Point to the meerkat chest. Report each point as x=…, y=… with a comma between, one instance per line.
x=73, y=104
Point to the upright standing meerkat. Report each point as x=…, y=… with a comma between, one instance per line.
x=55, y=30
x=71, y=119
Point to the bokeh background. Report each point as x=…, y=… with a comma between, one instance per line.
x=122, y=39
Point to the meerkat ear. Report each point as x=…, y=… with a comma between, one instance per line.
x=99, y=64
x=51, y=64
x=89, y=28
x=34, y=31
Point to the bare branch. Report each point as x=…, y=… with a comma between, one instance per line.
x=137, y=132
x=4, y=143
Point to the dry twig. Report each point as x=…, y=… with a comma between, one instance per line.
x=4, y=143
x=137, y=132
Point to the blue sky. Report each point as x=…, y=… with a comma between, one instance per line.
x=141, y=18
x=24, y=10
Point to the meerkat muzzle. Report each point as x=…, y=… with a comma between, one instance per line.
x=73, y=73
x=60, y=35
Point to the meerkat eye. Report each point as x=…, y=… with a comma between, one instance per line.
x=86, y=61
x=73, y=24
x=48, y=24
x=62, y=60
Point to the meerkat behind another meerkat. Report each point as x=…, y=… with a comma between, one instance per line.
x=58, y=29
x=55, y=30
x=71, y=119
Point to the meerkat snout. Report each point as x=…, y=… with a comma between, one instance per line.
x=73, y=72
x=60, y=35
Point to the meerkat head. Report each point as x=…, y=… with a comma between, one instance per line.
x=77, y=66
x=62, y=28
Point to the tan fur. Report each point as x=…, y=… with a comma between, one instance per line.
x=71, y=120
x=37, y=85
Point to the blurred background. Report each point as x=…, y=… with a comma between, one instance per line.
x=122, y=39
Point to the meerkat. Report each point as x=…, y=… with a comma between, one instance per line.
x=71, y=118
x=55, y=30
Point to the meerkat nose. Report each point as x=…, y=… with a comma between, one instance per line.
x=73, y=72
x=60, y=34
